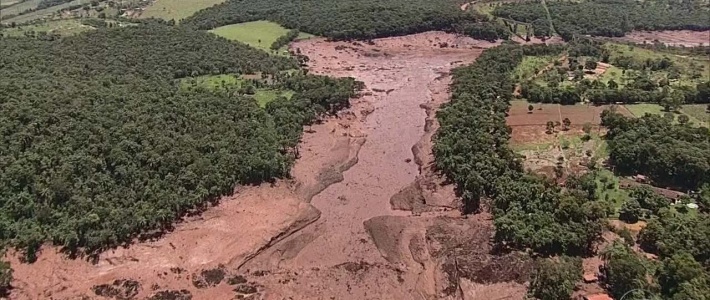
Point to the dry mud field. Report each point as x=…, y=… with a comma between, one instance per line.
x=684, y=38
x=364, y=216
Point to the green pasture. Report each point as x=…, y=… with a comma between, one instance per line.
x=258, y=34
x=176, y=9
x=262, y=95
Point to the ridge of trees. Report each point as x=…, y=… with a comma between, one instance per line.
x=341, y=19
x=100, y=145
x=610, y=18
x=670, y=154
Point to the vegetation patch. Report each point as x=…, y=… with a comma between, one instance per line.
x=176, y=9
x=119, y=289
x=172, y=295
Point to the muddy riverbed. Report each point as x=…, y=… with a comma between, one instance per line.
x=364, y=217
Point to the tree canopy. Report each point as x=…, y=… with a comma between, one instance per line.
x=555, y=279
x=100, y=144
x=671, y=154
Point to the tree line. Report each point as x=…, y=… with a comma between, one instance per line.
x=341, y=19
x=353, y=19
x=99, y=143
x=611, y=18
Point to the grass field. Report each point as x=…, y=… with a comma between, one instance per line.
x=258, y=34
x=62, y=27
x=608, y=188
x=614, y=73
x=697, y=111
x=176, y=9
x=531, y=65
x=688, y=64
x=262, y=96
x=651, y=108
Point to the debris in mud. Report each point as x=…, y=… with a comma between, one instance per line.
x=246, y=289
x=260, y=273
x=409, y=198
x=464, y=248
x=208, y=278
x=354, y=267
x=236, y=279
x=172, y=295
x=177, y=270
x=119, y=289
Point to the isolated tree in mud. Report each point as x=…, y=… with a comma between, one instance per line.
x=530, y=109
x=555, y=278
x=567, y=122
x=587, y=129
x=550, y=127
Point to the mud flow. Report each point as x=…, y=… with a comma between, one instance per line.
x=364, y=217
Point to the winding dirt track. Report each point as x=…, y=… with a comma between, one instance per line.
x=331, y=232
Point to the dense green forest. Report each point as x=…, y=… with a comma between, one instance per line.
x=671, y=154
x=608, y=17
x=341, y=19
x=99, y=143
